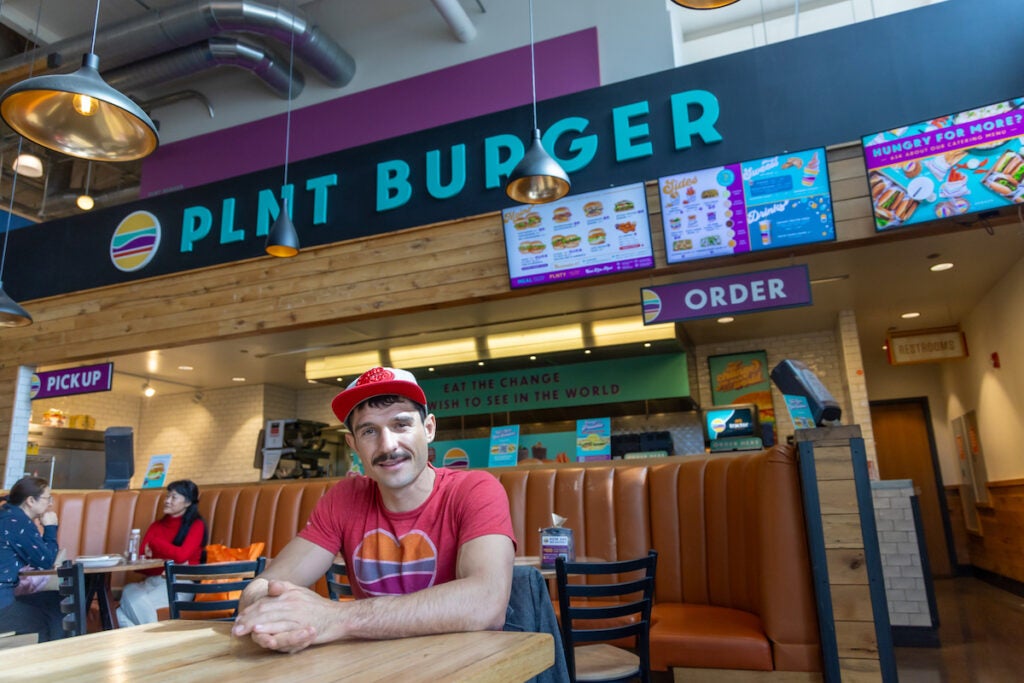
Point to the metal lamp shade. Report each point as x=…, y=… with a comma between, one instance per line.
x=11, y=314
x=538, y=178
x=282, y=240
x=704, y=4
x=46, y=110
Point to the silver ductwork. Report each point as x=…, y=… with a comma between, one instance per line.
x=207, y=55
x=180, y=26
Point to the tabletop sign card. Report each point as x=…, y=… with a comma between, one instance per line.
x=778, y=201
x=956, y=164
x=581, y=236
x=594, y=439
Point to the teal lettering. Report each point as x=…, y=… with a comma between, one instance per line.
x=494, y=168
x=228, y=233
x=584, y=148
x=196, y=222
x=268, y=208
x=319, y=187
x=685, y=128
x=393, y=188
x=625, y=133
x=458, y=176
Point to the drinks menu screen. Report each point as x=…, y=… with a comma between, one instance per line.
x=779, y=201
x=951, y=165
x=581, y=236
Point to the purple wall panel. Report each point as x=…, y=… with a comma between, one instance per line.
x=495, y=83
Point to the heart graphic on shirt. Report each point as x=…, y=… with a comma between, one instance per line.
x=386, y=565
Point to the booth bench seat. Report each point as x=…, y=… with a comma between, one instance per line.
x=733, y=585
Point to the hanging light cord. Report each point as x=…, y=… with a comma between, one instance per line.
x=288, y=115
x=10, y=213
x=533, y=69
x=95, y=24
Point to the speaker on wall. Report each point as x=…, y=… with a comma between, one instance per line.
x=120, y=461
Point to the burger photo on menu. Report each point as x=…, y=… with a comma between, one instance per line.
x=571, y=241
x=558, y=241
x=561, y=214
x=596, y=236
x=624, y=205
x=593, y=209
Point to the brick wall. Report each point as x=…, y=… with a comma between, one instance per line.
x=901, y=553
x=110, y=408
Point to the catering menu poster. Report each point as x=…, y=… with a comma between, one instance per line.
x=779, y=201
x=504, y=450
x=156, y=472
x=952, y=165
x=581, y=236
x=594, y=439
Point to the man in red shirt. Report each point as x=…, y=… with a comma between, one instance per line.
x=432, y=547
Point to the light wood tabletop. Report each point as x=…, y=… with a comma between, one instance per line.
x=185, y=650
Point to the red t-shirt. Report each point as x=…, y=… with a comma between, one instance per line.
x=394, y=553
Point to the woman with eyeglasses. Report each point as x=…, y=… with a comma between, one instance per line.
x=179, y=535
x=22, y=545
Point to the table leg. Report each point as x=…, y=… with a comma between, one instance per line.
x=98, y=585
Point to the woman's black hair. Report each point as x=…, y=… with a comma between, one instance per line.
x=25, y=488
x=190, y=491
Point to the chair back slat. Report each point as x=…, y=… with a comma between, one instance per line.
x=188, y=586
x=586, y=609
x=71, y=587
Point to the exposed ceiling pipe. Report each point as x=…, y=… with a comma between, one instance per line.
x=208, y=55
x=180, y=26
x=458, y=21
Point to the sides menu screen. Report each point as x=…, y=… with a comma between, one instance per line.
x=778, y=201
x=581, y=236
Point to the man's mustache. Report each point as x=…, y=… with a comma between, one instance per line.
x=393, y=455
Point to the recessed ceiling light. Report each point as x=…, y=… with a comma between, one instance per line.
x=533, y=357
x=726, y=319
x=480, y=363
x=647, y=345
x=186, y=368
x=310, y=381
x=237, y=379
x=586, y=351
x=939, y=267
x=912, y=314
x=430, y=369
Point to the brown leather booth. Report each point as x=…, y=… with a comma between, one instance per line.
x=733, y=579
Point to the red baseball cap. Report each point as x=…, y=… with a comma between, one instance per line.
x=377, y=382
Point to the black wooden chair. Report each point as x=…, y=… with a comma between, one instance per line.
x=73, y=605
x=338, y=586
x=622, y=608
x=208, y=591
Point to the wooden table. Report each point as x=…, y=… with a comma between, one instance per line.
x=97, y=583
x=183, y=650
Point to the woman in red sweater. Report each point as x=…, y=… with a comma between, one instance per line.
x=179, y=535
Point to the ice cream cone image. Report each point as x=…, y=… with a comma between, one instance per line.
x=811, y=171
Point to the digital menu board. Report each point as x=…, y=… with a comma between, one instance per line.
x=951, y=165
x=778, y=201
x=581, y=236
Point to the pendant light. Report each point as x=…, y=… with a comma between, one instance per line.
x=538, y=178
x=28, y=165
x=283, y=240
x=11, y=314
x=80, y=114
x=704, y=4
x=84, y=200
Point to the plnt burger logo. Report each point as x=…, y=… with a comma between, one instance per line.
x=135, y=241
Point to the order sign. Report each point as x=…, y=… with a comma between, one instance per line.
x=581, y=236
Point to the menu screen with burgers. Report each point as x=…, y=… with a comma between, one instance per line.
x=580, y=236
x=948, y=166
x=778, y=201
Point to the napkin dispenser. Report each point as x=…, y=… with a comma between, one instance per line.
x=556, y=541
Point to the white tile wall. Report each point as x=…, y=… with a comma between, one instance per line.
x=901, y=555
